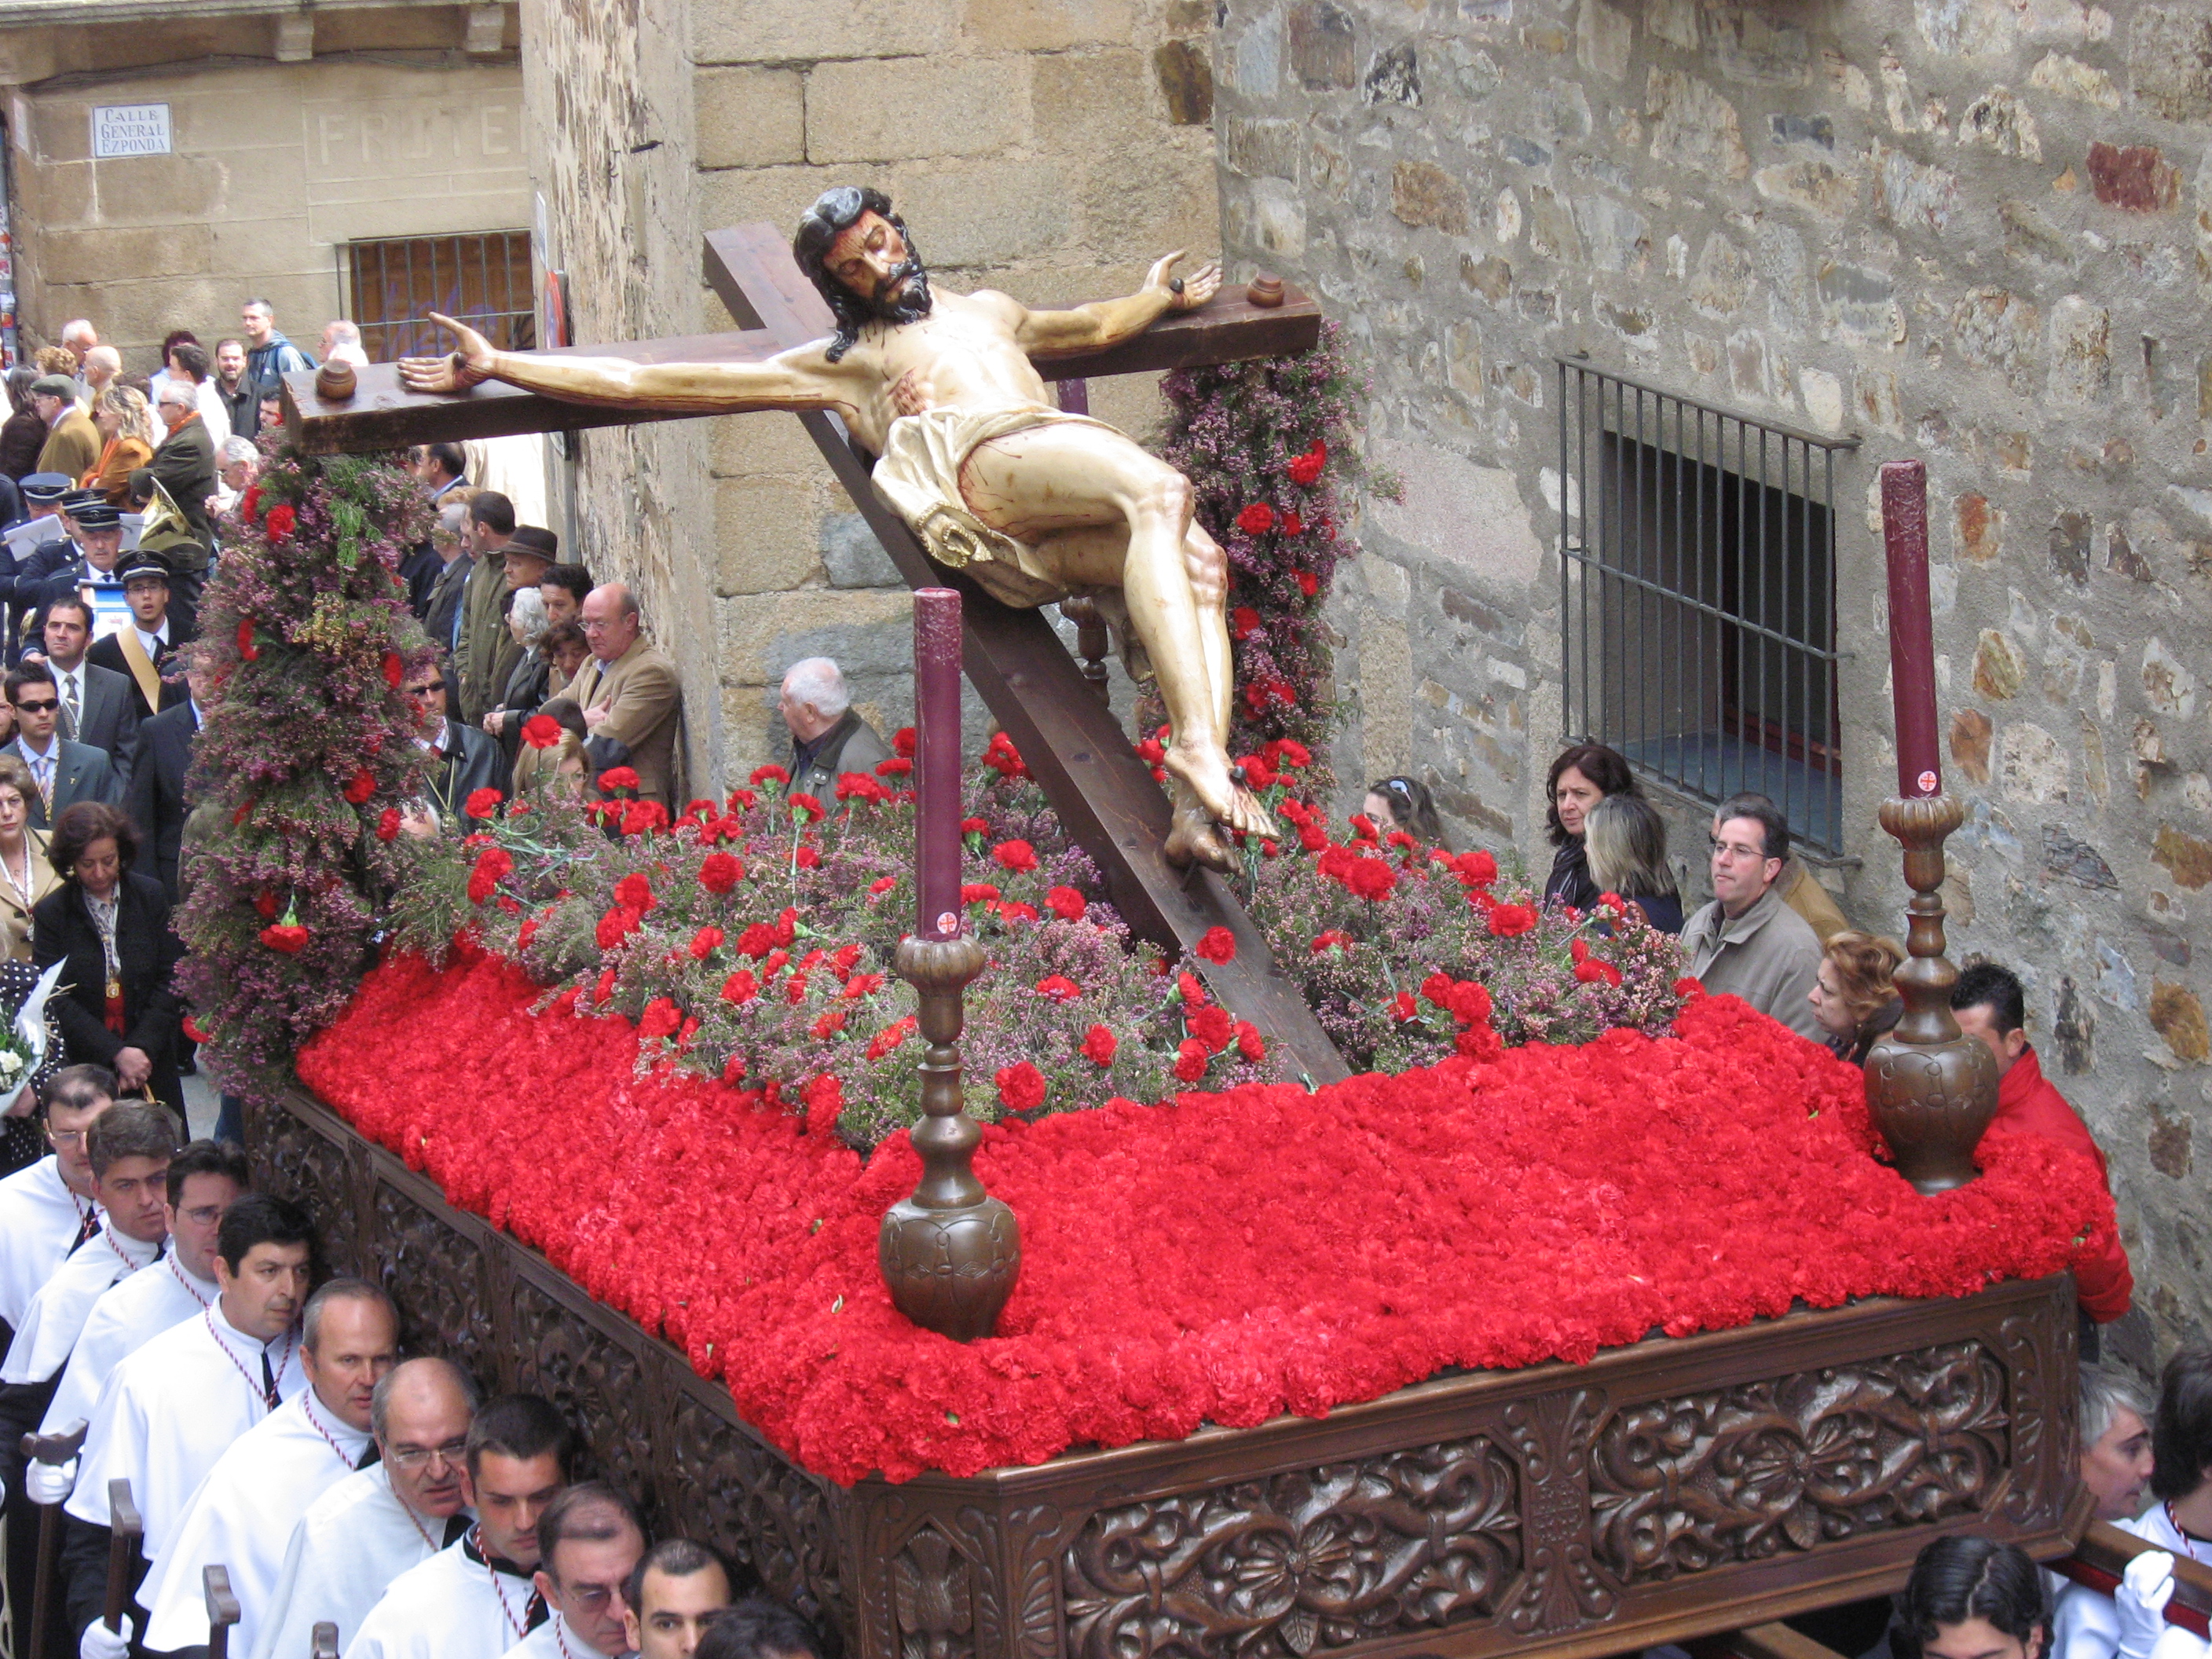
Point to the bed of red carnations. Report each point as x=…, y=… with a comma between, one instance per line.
x=1223, y=1258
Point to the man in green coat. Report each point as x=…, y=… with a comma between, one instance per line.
x=72, y=445
x=489, y=650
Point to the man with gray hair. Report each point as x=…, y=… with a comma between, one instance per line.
x=376, y=1524
x=2116, y=1442
x=589, y=1540
x=828, y=736
x=629, y=692
x=185, y=467
x=342, y=343
x=244, y=1512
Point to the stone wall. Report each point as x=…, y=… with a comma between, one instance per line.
x=276, y=166
x=1050, y=148
x=1973, y=231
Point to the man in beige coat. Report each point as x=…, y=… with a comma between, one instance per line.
x=1748, y=941
x=629, y=693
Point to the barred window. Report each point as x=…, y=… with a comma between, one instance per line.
x=1697, y=595
x=482, y=279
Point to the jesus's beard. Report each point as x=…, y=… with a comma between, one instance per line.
x=909, y=283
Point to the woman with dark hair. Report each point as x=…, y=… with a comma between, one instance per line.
x=1855, y=998
x=1970, y=1598
x=1404, y=803
x=1579, y=780
x=111, y=925
x=1626, y=841
x=23, y=435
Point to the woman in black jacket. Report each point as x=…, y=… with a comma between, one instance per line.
x=1579, y=780
x=112, y=925
x=23, y=435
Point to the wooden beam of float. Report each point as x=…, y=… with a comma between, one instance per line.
x=1104, y=795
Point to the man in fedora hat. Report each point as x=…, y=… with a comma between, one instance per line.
x=141, y=650
x=488, y=652
x=72, y=443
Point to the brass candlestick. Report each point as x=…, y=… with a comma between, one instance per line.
x=1932, y=1089
x=950, y=1252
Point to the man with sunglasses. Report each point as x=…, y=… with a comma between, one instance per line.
x=373, y=1526
x=463, y=760
x=65, y=771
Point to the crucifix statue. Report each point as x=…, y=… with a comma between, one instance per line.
x=1036, y=503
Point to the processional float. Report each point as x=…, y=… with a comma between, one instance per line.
x=1678, y=1488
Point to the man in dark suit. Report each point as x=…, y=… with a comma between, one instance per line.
x=99, y=530
x=156, y=800
x=139, y=652
x=65, y=771
x=463, y=759
x=43, y=546
x=185, y=464
x=100, y=707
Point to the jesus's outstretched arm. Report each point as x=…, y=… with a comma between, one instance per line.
x=802, y=378
x=1104, y=322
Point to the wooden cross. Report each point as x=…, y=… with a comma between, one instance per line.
x=1104, y=793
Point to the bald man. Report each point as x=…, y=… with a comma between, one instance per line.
x=373, y=1526
x=629, y=693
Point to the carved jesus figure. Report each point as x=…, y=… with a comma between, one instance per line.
x=1036, y=505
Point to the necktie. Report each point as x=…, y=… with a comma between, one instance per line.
x=46, y=770
x=70, y=708
x=86, y=1227
x=268, y=1380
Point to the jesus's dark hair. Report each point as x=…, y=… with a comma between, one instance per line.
x=834, y=212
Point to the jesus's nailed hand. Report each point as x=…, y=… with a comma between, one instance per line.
x=458, y=371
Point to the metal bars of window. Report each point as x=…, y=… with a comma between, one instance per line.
x=1698, y=596
x=483, y=279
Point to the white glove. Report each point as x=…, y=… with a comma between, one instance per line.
x=50, y=1483
x=2140, y=1600
x=98, y=1642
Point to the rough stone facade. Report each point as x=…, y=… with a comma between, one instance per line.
x=1978, y=232
x=1049, y=148
x=287, y=143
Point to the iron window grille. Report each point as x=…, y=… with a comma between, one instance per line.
x=483, y=279
x=1698, y=596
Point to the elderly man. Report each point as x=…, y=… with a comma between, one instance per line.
x=72, y=443
x=238, y=464
x=185, y=466
x=676, y=1588
x=828, y=736
x=244, y=1512
x=477, y=1596
x=342, y=343
x=629, y=691
x=2115, y=1443
x=376, y=1524
x=96, y=573
x=79, y=336
x=1747, y=942
x=589, y=1544
x=102, y=365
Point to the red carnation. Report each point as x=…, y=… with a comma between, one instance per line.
x=494, y=865
x=1098, y=1045
x=881, y=886
x=824, y=1096
x=1402, y=1006
x=250, y=502
x=1248, y=1041
x=767, y=775
x=1256, y=519
x=1021, y=1087
x=1017, y=856
x=807, y=859
x=1191, y=1060
x=1065, y=903
x=394, y=669
x=756, y=941
x=1243, y=623
x=740, y=988
x=1306, y=468
x=1370, y=878
x=974, y=827
x=541, y=732
x=977, y=892
x=1017, y=912
x=1477, y=869
x=1309, y=584
x=361, y=786
x=1210, y=1025
x=1511, y=921
x=635, y=892
x=705, y=943
x=661, y=1018
x=1293, y=525
x=904, y=742
x=192, y=1029
x=615, y=779
x=291, y=939
x=615, y=926
x=1059, y=987
x=280, y=522
x=264, y=903
x=482, y=803
x=721, y=872
x=387, y=826
x=829, y=1024
x=1688, y=987
x=806, y=806
x=1217, y=944
x=246, y=649
x=1289, y=751
x=897, y=766
x=891, y=1036
x=1334, y=940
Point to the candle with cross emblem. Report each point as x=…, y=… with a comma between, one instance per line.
x=937, y=759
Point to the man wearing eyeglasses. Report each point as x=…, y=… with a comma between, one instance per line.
x=243, y=1514
x=373, y=1526
x=1747, y=942
x=48, y=1210
x=591, y=1540
x=463, y=760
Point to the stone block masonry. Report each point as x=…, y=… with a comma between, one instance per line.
x=1967, y=230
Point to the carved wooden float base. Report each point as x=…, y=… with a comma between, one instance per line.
x=1667, y=1489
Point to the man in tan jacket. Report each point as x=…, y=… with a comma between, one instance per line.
x=1748, y=941
x=629, y=693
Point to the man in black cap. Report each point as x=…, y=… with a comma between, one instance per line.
x=489, y=651
x=96, y=574
x=140, y=651
x=41, y=522
x=65, y=771
x=72, y=445
x=97, y=707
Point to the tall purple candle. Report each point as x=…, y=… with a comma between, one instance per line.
x=1912, y=628
x=937, y=758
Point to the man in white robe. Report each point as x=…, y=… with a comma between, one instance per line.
x=589, y=1542
x=129, y=1147
x=674, y=1589
x=243, y=1514
x=173, y=1407
x=202, y=1181
x=477, y=1599
x=48, y=1210
x=371, y=1527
